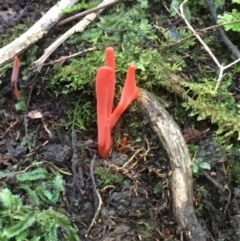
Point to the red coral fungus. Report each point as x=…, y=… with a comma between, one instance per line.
x=105, y=88
x=14, y=78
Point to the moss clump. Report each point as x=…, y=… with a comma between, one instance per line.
x=105, y=177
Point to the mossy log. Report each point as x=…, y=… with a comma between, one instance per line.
x=181, y=172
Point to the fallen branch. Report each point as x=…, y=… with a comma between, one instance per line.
x=79, y=27
x=221, y=67
x=181, y=176
x=36, y=32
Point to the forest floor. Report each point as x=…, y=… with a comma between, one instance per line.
x=136, y=198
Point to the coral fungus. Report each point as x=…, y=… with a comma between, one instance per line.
x=105, y=88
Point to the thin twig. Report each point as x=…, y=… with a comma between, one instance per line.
x=132, y=158
x=9, y=128
x=94, y=186
x=36, y=32
x=79, y=27
x=233, y=48
x=221, y=67
x=84, y=13
x=214, y=182
x=69, y=56
x=97, y=197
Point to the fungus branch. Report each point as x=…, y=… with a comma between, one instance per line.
x=221, y=67
x=105, y=88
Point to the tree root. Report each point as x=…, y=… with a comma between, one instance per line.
x=181, y=176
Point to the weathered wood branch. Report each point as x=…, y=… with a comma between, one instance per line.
x=79, y=27
x=36, y=32
x=181, y=177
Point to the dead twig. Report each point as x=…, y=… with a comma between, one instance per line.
x=97, y=197
x=221, y=67
x=78, y=180
x=214, y=182
x=9, y=128
x=79, y=27
x=233, y=48
x=94, y=186
x=132, y=158
x=68, y=57
x=36, y=32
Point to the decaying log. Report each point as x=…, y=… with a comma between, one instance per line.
x=36, y=32
x=181, y=177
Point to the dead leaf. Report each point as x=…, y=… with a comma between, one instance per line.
x=35, y=114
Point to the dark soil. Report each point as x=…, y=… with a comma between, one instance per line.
x=134, y=209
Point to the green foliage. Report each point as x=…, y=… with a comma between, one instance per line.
x=190, y=9
x=231, y=21
x=39, y=173
x=81, y=115
x=80, y=6
x=105, y=177
x=29, y=140
x=4, y=69
x=20, y=106
x=40, y=186
x=130, y=27
x=126, y=26
x=76, y=76
x=23, y=222
x=192, y=149
x=236, y=173
x=128, y=30
x=221, y=109
x=158, y=188
x=202, y=192
x=199, y=164
x=32, y=222
x=12, y=34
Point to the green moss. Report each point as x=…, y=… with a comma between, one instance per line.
x=158, y=61
x=105, y=177
x=220, y=109
x=12, y=34
x=32, y=221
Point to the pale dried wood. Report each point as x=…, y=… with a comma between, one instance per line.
x=36, y=32
x=79, y=27
x=181, y=172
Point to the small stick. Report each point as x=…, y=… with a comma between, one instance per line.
x=79, y=27
x=97, y=197
x=69, y=56
x=94, y=186
x=36, y=32
x=214, y=182
x=221, y=67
